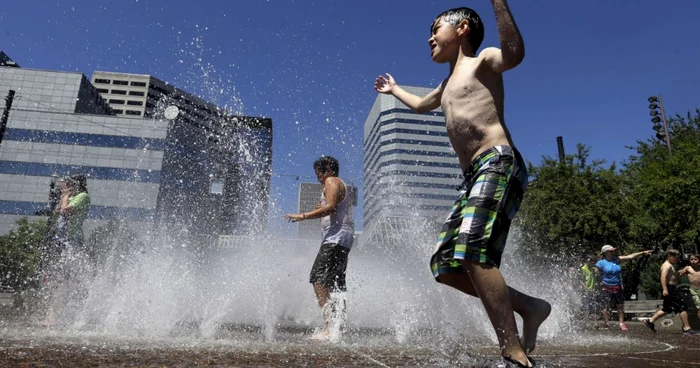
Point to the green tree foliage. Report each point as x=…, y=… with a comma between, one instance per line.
x=666, y=189
x=19, y=254
x=573, y=208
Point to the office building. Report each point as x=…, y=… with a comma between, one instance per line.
x=6, y=60
x=309, y=195
x=217, y=182
x=59, y=125
x=207, y=177
x=410, y=168
x=141, y=95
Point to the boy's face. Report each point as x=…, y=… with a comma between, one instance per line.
x=322, y=175
x=694, y=261
x=444, y=42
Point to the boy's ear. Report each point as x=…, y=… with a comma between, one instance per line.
x=463, y=28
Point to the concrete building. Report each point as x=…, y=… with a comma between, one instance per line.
x=207, y=177
x=217, y=181
x=141, y=95
x=59, y=125
x=410, y=168
x=6, y=61
x=309, y=195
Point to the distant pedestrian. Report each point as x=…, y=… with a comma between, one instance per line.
x=673, y=301
x=611, y=282
x=591, y=290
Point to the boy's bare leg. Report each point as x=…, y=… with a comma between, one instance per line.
x=322, y=294
x=657, y=315
x=684, y=320
x=606, y=317
x=533, y=311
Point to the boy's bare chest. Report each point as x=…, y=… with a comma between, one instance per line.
x=461, y=85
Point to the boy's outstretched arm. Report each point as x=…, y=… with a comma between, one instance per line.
x=387, y=85
x=512, y=51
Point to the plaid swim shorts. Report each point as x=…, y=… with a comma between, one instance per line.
x=477, y=228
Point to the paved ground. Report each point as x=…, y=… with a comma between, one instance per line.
x=35, y=347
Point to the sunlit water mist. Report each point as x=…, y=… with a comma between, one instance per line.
x=260, y=284
x=176, y=289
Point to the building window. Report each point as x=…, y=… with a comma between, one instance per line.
x=132, y=112
x=103, y=81
x=102, y=90
x=217, y=186
x=117, y=102
x=118, y=92
x=138, y=84
x=118, y=111
x=120, y=82
x=136, y=93
x=134, y=103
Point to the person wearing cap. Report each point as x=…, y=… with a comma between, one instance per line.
x=611, y=282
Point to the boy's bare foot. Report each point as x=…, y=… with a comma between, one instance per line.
x=531, y=323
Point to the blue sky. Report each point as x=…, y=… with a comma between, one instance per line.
x=310, y=65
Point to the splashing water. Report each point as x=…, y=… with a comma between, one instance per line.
x=259, y=284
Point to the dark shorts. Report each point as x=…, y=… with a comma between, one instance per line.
x=591, y=301
x=611, y=297
x=329, y=267
x=477, y=228
x=673, y=302
x=687, y=298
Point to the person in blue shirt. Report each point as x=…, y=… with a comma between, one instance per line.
x=611, y=282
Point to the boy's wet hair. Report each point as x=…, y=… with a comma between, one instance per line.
x=672, y=253
x=326, y=163
x=476, y=26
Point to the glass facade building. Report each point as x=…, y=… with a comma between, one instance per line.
x=212, y=175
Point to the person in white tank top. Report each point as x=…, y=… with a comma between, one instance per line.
x=328, y=271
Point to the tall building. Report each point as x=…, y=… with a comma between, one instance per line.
x=410, y=168
x=309, y=195
x=141, y=95
x=59, y=125
x=209, y=176
x=6, y=61
x=217, y=182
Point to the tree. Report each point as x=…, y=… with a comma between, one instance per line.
x=572, y=208
x=666, y=189
x=19, y=254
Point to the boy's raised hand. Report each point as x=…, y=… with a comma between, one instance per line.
x=384, y=84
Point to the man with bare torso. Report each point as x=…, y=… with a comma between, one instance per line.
x=673, y=300
x=470, y=245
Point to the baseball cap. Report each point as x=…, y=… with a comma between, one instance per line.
x=607, y=248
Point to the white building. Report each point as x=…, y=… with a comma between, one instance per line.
x=409, y=165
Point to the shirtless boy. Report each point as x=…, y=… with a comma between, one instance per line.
x=470, y=245
x=673, y=301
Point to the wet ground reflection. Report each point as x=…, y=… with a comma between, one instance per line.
x=33, y=346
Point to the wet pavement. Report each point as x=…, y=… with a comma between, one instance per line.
x=36, y=347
